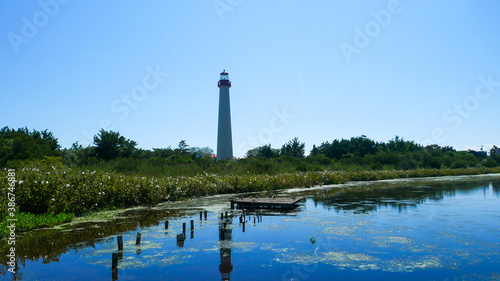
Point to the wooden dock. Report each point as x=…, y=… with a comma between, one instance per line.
x=274, y=202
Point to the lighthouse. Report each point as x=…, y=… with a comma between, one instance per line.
x=224, y=137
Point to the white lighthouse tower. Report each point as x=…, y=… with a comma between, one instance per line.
x=224, y=137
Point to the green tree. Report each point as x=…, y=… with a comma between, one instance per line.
x=265, y=151
x=400, y=145
x=314, y=151
x=183, y=148
x=163, y=152
x=293, y=148
x=201, y=151
x=110, y=145
x=21, y=144
x=494, y=154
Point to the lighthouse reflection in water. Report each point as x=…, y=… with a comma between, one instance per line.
x=225, y=233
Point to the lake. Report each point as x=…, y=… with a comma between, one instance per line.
x=445, y=228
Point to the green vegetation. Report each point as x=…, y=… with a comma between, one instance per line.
x=55, y=184
x=28, y=221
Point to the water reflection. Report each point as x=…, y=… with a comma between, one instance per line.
x=225, y=226
x=225, y=235
x=368, y=199
x=49, y=244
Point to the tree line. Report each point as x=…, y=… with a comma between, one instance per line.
x=21, y=145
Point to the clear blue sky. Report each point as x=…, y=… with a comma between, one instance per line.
x=317, y=70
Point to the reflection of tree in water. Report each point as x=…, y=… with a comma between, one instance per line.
x=49, y=244
x=496, y=187
x=364, y=199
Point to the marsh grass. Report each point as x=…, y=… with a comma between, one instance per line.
x=29, y=221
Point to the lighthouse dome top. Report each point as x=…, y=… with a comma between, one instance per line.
x=224, y=79
x=224, y=75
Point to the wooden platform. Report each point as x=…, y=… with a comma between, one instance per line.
x=275, y=202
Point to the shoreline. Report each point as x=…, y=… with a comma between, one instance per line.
x=110, y=215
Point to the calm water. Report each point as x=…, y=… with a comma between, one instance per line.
x=439, y=229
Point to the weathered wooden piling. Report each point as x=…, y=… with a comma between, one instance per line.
x=192, y=225
x=205, y=215
x=184, y=228
x=138, y=239
x=201, y=216
x=120, y=243
x=166, y=224
x=180, y=239
x=253, y=220
x=241, y=219
x=221, y=216
x=226, y=214
x=243, y=226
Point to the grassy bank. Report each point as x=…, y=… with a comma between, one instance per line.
x=54, y=195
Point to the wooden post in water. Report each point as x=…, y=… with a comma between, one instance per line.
x=243, y=225
x=180, y=239
x=138, y=239
x=232, y=205
x=192, y=225
x=120, y=243
x=241, y=219
x=254, y=220
x=205, y=215
x=221, y=216
x=166, y=224
x=226, y=214
x=201, y=216
x=184, y=229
